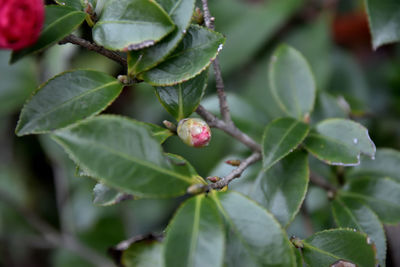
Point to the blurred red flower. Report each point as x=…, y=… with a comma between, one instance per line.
x=20, y=22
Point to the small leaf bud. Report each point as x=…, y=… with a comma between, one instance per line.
x=196, y=189
x=198, y=17
x=233, y=162
x=224, y=189
x=194, y=132
x=297, y=242
x=213, y=179
x=169, y=125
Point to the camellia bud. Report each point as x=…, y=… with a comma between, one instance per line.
x=20, y=22
x=194, y=132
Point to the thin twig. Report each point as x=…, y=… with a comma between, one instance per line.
x=53, y=237
x=230, y=129
x=94, y=47
x=236, y=173
x=223, y=104
x=207, y=15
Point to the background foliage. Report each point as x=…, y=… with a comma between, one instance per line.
x=266, y=42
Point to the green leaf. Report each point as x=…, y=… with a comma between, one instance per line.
x=66, y=99
x=181, y=100
x=350, y=213
x=159, y=133
x=340, y=142
x=292, y=82
x=14, y=91
x=385, y=164
x=77, y=4
x=193, y=55
x=381, y=195
x=146, y=253
x=180, y=12
x=255, y=238
x=384, y=21
x=280, y=138
x=131, y=25
x=123, y=154
x=195, y=236
x=326, y=247
x=59, y=22
x=282, y=188
x=106, y=196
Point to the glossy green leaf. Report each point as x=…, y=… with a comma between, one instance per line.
x=382, y=195
x=180, y=12
x=340, y=142
x=280, y=138
x=131, y=25
x=59, y=22
x=385, y=164
x=282, y=188
x=77, y=4
x=350, y=213
x=384, y=21
x=292, y=82
x=144, y=253
x=66, y=99
x=123, y=154
x=159, y=133
x=106, y=196
x=14, y=91
x=195, y=236
x=181, y=100
x=193, y=55
x=327, y=247
x=255, y=238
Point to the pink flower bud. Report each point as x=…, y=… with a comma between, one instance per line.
x=20, y=22
x=194, y=132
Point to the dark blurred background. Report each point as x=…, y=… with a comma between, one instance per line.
x=37, y=177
